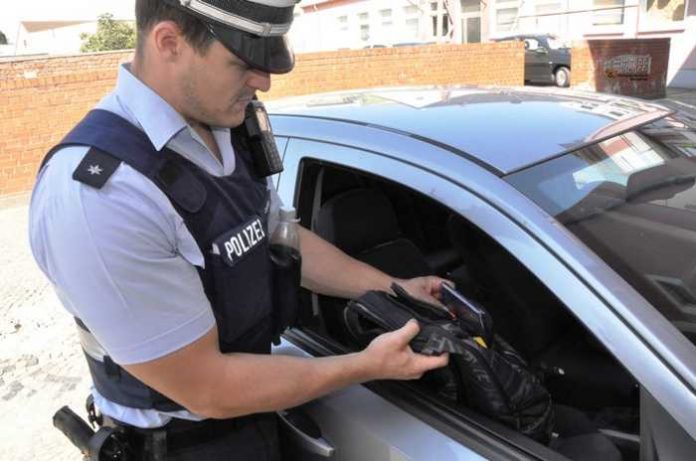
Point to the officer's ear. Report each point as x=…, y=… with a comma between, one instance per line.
x=167, y=40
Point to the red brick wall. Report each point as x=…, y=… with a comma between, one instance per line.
x=41, y=99
x=631, y=67
x=478, y=63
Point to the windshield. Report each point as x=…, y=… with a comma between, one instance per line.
x=556, y=43
x=632, y=199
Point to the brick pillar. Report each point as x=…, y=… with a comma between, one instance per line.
x=630, y=67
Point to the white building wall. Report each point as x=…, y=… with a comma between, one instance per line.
x=363, y=24
x=575, y=19
x=6, y=50
x=62, y=40
x=366, y=23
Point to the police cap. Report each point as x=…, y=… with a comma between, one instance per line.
x=254, y=30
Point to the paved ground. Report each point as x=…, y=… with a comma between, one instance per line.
x=681, y=99
x=41, y=366
x=682, y=95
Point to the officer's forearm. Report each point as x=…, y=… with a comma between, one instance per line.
x=328, y=270
x=216, y=385
x=256, y=383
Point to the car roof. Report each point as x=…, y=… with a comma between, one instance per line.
x=521, y=36
x=505, y=128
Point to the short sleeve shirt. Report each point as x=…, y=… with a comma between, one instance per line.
x=120, y=258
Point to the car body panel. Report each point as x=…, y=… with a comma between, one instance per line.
x=384, y=430
x=401, y=138
x=550, y=122
x=632, y=330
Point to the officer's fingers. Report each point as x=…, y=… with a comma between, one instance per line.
x=406, y=333
x=423, y=363
x=428, y=295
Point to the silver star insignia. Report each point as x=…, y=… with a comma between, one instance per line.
x=94, y=169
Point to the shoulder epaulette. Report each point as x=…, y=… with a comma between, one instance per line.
x=96, y=168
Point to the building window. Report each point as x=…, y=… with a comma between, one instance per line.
x=506, y=19
x=364, y=32
x=445, y=26
x=440, y=19
x=666, y=10
x=412, y=22
x=342, y=23
x=364, y=19
x=412, y=28
x=410, y=10
x=386, y=16
x=610, y=12
x=471, y=6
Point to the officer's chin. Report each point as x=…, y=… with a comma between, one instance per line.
x=232, y=120
x=236, y=122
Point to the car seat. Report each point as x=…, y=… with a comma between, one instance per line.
x=362, y=223
x=535, y=322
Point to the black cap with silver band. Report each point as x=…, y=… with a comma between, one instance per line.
x=254, y=30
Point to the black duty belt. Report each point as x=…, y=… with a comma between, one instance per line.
x=180, y=434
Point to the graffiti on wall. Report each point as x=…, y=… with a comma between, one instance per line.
x=634, y=66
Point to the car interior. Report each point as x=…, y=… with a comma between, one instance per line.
x=407, y=234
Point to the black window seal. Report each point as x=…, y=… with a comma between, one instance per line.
x=488, y=438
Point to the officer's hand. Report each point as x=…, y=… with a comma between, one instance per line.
x=390, y=357
x=425, y=288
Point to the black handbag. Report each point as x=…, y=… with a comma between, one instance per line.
x=490, y=376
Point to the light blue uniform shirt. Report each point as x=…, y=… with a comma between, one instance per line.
x=120, y=258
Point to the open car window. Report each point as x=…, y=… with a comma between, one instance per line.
x=407, y=233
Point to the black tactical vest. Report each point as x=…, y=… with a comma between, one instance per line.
x=228, y=218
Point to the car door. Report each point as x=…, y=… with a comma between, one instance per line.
x=414, y=426
x=386, y=421
x=537, y=65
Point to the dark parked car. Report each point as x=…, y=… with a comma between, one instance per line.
x=570, y=217
x=546, y=60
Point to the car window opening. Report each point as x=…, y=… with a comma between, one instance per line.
x=631, y=199
x=407, y=234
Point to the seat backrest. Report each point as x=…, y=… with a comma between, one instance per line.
x=523, y=310
x=362, y=223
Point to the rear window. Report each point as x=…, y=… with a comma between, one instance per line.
x=632, y=199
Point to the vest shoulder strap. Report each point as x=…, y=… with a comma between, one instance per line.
x=114, y=140
x=114, y=136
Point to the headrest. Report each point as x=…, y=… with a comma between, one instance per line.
x=661, y=182
x=357, y=220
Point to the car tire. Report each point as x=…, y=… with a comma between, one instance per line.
x=562, y=77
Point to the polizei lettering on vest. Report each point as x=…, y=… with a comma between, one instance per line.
x=243, y=239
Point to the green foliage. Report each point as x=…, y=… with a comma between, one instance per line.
x=110, y=35
x=3, y=39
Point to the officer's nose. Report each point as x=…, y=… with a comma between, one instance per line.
x=259, y=80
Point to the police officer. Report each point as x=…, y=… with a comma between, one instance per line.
x=125, y=218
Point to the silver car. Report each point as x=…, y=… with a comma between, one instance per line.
x=570, y=217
